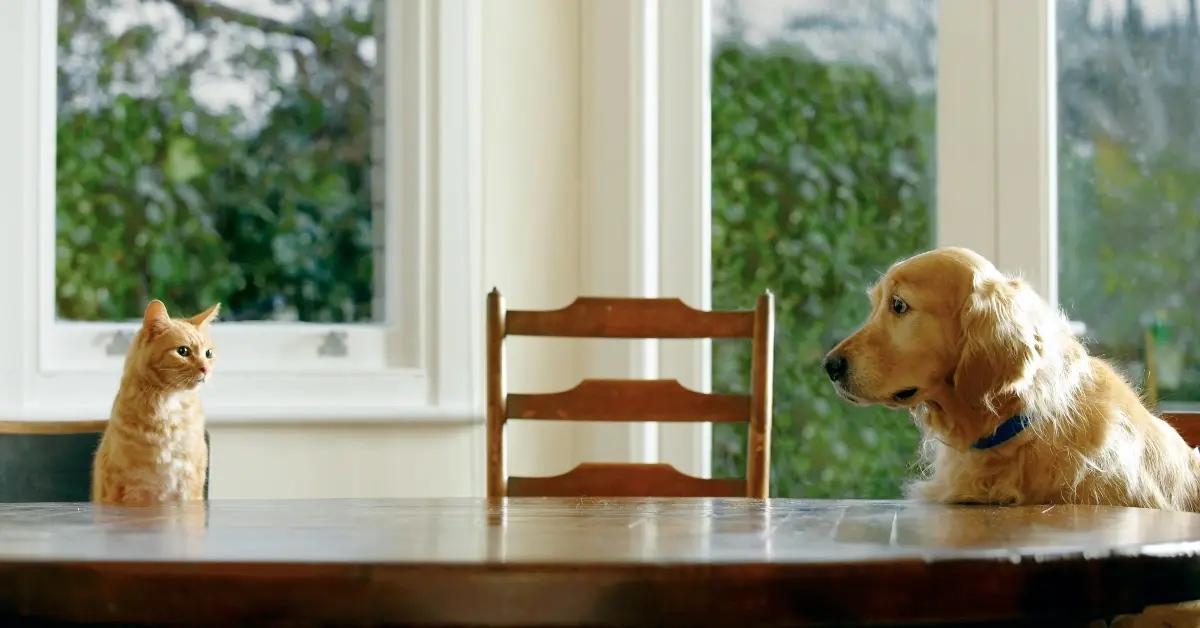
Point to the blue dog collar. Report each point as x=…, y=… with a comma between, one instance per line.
x=1006, y=432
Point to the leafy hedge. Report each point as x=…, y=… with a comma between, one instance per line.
x=822, y=177
x=160, y=196
x=1129, y=188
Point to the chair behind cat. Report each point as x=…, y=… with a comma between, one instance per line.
x=50, y=461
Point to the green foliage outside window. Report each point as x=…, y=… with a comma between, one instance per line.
x=1129, y=187
x=821, y=179
x=159, y=195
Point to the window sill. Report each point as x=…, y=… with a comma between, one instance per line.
x=282, y=415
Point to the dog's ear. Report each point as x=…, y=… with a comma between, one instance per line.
x=1000, y=340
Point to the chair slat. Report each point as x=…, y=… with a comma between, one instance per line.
x=630, y=400
x=1187, y=424
x=597, y=317
x=625, y=480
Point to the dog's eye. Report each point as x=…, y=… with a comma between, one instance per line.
x=898, y=305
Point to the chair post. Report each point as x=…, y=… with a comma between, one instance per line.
x=758, y=442
x=496, y=411
x=1187, y=423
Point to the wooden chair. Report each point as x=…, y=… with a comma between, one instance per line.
x=1187, y=423
x=631, y=400
x=50, y=461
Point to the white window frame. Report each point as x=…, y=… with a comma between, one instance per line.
x=644, y=204
x=997, y=183
x=422, y=362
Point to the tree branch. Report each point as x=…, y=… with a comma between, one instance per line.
x=196, y=10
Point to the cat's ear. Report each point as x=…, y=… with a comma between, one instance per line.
x=156, y=320
x=206, y=317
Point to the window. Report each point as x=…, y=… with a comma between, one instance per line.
x=312, y=164
x=1129, y=187
x=823, y=169
x=219, y=153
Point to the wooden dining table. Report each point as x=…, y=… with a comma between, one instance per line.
x=589, y=562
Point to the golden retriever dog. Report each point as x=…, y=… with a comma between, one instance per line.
x=1012, y=408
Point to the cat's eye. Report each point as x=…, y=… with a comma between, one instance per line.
x=898, y=305
x=183, y=351
x=208, y=354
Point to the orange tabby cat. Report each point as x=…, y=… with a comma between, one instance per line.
x=153, y=448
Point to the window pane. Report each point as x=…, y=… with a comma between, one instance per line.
x=216, y=152
x=1129, y=186
x=822, y=145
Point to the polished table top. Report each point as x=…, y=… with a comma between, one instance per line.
x=599, y=561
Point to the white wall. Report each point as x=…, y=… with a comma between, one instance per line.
x=329, y=460
x=531, y=186
x=531, y=146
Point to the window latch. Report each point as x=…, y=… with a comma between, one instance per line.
x=118, y=345
x=334, y=345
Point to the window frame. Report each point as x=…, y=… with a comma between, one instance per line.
x=644, y=83
x=997, y=135
x=421, y=361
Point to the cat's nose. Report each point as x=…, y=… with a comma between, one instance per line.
x=204, y=370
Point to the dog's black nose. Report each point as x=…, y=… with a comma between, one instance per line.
x=836, y=366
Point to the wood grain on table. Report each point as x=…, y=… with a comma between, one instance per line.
x=590, y=561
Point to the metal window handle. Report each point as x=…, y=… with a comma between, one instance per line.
x=119, y=345
x=334, y=345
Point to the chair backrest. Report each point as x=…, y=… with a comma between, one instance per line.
x=631, y=400
x=50, y=461
x=1187, y=423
